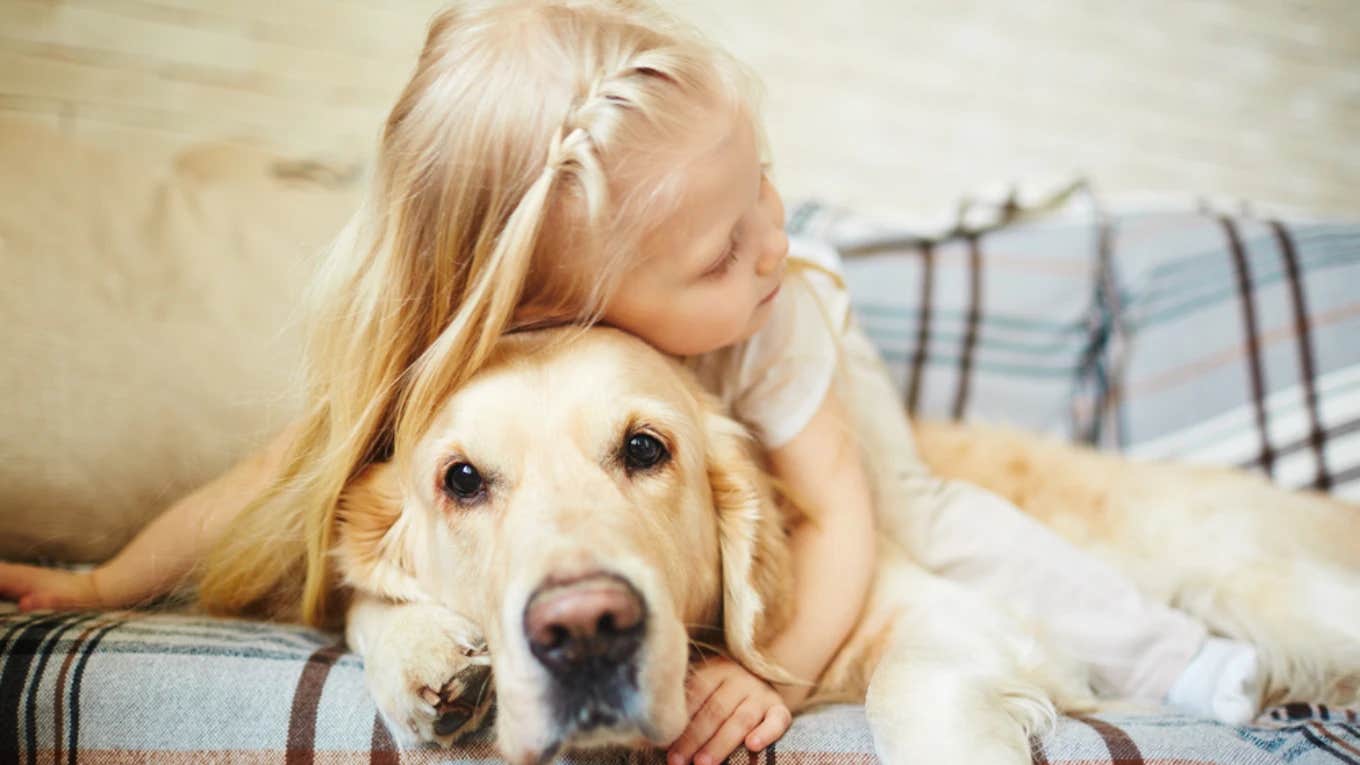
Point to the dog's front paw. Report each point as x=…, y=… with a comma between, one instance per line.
x=429, y=675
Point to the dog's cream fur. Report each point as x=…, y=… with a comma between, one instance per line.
x=947, y=675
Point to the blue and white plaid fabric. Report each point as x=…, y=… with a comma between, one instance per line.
x=1240, y=345
x=1190, y=334
x=155, y=688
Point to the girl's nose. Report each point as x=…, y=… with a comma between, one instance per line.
x=775, y=248
x=776, y=243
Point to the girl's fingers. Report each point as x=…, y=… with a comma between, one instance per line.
x=700, y=687
x=776, y=723
x=702, y=725
x=746, y=716
x=13, y=582
x=34, y=587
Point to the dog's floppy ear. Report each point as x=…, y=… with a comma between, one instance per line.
x=756, y=567
x=373, y=536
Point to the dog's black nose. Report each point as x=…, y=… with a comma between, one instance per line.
x=585, y=624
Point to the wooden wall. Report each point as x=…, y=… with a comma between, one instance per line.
x=881, y=104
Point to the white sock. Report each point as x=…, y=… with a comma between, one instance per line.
x=1222, y=681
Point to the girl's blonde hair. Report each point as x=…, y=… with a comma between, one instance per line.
x=510, y=189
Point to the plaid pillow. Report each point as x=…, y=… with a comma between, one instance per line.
x=1236, y=341
x=989, y=316
x=1187, y=334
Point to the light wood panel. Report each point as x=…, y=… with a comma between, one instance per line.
x=884, y=105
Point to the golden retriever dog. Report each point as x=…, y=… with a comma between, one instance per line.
x=582, y=515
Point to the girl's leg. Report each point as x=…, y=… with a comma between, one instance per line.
x=1135, y=647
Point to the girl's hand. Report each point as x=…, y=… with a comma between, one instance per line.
x=728, y=707
x=35, y=587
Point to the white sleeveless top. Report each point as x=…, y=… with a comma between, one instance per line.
x=776, y=380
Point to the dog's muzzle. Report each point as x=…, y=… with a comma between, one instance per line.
x=586, y=633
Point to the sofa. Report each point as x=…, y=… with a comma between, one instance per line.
x=150, y=310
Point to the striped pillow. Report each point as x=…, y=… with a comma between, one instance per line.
x=1236, y=341
x=990, y=319
x=1183, y=333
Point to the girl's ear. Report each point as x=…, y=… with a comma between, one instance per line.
x=373, y=536
x=757, y=573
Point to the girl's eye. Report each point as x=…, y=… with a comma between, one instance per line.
x=727, y=259
x=642, y=451
x=462, y=481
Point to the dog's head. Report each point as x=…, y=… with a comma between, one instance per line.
x=591, y=507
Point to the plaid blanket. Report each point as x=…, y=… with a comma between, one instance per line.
x=138, y=687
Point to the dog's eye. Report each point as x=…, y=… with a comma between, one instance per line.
x=643, y=451
x=463, y=481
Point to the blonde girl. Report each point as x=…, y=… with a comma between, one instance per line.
x=564, y=161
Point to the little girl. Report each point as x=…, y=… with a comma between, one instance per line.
x=591, y=161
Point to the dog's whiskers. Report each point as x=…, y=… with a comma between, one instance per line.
x=705, y=650
x=481, y=693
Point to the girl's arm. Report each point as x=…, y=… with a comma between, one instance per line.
x=833, y=553
x=833, y=562
x=162, y=554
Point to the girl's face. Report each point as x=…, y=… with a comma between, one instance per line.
x=708, y=272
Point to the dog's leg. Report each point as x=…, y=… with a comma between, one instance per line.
x=941, y=712
x=1275, y=568
x=960, y=680
x=425, y=666
x=1278, y=569
x=1303, y=617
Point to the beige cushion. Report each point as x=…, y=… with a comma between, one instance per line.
x=150, y=308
